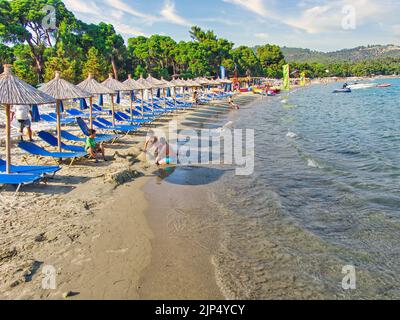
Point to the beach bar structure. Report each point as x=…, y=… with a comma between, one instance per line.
x=95, y=88
x=14, y=91
x=61, y=90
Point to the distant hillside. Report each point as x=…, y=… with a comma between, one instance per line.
x=350, y=55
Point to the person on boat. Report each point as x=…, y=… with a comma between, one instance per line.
x=93, y=148
x=232, y=104
x=164, y=154
x=22, y=113
x=345, y=86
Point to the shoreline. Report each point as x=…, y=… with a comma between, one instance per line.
x=93, y=226
x=185, y=242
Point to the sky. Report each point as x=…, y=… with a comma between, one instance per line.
x=325, y=25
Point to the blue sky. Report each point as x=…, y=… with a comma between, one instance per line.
x=314, y=24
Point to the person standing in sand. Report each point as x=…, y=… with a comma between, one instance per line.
x=93, y=148
x=149, y=141
x=232, y=104
x=22, y=113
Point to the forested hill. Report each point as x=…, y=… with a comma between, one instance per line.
x=345, y=55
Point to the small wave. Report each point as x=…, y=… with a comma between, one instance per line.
x=312, y=163
x=291, y=135
x=227, y=126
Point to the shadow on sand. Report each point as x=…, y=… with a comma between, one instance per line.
x=189, y=176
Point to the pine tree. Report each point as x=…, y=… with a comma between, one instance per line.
x=96, y=65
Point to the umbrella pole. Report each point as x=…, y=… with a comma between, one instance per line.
x=113, y=110
x=175, y=97
x=58, y=124
x=131, y=107
x=152, y=101
x=91, y=113
x=8, y=139
x=165, y=98
x=141, y=103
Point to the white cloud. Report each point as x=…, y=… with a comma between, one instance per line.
x=329, y=16
x=128, y=30
x=255, y=6
x=226, y=22
x=169, y=13
x=120, y=5
x=262, y=36
x=94, y=14
x=396, y=30
x=82, y=7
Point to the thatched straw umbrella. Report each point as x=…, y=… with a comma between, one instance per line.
x=214, y=82
x=14, y=91
x=61, y=90
x=116, y=86
x=164, y=85
x=202, y=81
x=135, y=86
x=95, y=88
x=147, y=86
x=177, y=83
x=156, y=84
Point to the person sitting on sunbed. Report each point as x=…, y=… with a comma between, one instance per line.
x=164, y=153
x=94, y=148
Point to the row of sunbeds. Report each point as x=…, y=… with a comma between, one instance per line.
x=127, y=122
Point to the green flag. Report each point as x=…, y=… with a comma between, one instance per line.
x=303, y=79
x=286, y=77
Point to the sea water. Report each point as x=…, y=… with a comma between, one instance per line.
x=324, y=198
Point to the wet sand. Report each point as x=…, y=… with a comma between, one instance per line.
x=105, y=237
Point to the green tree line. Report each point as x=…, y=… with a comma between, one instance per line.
x=76, y=48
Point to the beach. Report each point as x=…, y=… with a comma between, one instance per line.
x=318, y=203
x=106, y=233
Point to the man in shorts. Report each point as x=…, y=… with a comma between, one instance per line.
x=21, y=114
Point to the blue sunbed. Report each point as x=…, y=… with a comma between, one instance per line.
x=118, y=127
x=71, y=137
x=39, y=152
x=99, y=137
x=18, y=179
x=39, y=170
x=139, y=114
x=50, y=119
x=53, y=141
x=123, y=117
x=79, y=113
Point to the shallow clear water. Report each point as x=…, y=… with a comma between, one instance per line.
x=325, y=194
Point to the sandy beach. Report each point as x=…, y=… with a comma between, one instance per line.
x=108, y=232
